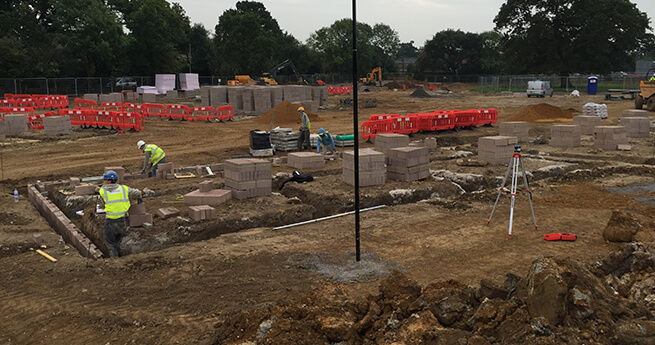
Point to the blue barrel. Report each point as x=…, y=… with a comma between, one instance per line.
x=592, y=85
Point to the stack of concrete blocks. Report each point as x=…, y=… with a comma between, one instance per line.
x=202, y=212
x=609, y=138
x=149, y=97
x=284, y=139
x=408, y=163
x=15, y=123
x=517, y=129
x=634, y=113
x=120, y=171
x=235, y=97
x=430, y=142
x=207, y=195
x=262, y=100
x=496, y=149
x=171, y=94
x=138, y=215
x=3, y=130
x=248, y=97
x=565, y=135
x=384, y=142
x=57, y=125
x=305, y=160
x=91, y=97
x=215, y=96
x=116, y=97
x=189, y=81
x=323, y=101
x=371, y=168
x=293, y=93
x=165, y=171
x=218, y=169
x=586, y=123
x=168, y=212
x=105, y=98
x=636, y=127
x=164, y=83
x=83, y=189
x=277, y=95
x=248, y=177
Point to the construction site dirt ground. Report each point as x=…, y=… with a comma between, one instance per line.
x=179, y=293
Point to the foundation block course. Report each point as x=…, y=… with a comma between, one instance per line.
x=634, y=113
x=565, y=135
x=85, y=189
x=248, y=177
x=517, y=129
x=165, y=171
x=496, y=149
x=305, y=160
x=608, y=138
x=636, y=127
x=587, y=123
x=371, y=167
x=202, y=212
x=212, y=198
x=408, y=163
x=384, y=142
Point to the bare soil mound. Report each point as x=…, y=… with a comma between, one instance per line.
x=409, y=84
x=554, y=300
x=285, y=113
x=543, y=112
x=420, y=94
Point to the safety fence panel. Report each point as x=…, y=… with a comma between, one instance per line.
x=225, y=112
x=339, y=90
x=16, y=110
x=127, y=120
x=487, y=116
x=465, y=118
x=201, y=114
x=103, y=118
x=35, y=101
x=378, y=124
x=154, y=110
x=133, y=108
x=36, y=121
x=177, y=111
x=111, y=106
x=442, y=122
x=81, y=103
x=405, y=125
x=4, y=103
x=58, y=101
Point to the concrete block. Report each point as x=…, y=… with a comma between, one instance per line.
x=139, y=219
x=430, y=142
x=74, y=181
x=120, y=171
x=168, y=212
x=15, y=123
x=206, y=186
x=85, y=190
x=171, y=94
x=137, y=209
x=149, y=98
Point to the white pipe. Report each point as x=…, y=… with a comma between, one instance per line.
x=328, y=217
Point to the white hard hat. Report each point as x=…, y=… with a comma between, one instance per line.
x=140, y=144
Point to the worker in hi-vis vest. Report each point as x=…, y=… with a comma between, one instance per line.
x=154, y=156
x=116, y=199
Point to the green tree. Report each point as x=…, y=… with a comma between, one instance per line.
x=451, y=51
x=202, y=54
x=587, y=36
x=386, y=42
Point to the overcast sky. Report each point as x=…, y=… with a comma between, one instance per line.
x=414, y=20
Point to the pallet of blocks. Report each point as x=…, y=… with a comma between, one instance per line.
x=636, y=127
x=586, y=123
x=207, y=195
x=384, y=142
x=284, y=139
x=565, y=135
x=408, y=163
x=609, y=138
x=517, y=129
x=371, y=167
x=248, y=177
x=496, y=149
x=305, y=160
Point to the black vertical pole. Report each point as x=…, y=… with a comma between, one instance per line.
x=356, y=131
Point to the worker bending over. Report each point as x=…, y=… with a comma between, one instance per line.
x=304, y=130
x=325, y=138
x=116, y=199
x=154, y=156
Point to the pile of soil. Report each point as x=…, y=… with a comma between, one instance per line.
x=551, y=304
x=409, y=84
x=543, y=112
x=285, y=113
x=419, y=93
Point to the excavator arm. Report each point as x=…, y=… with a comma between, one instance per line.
x=284, y=64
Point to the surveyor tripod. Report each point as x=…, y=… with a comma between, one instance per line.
x=514, y=167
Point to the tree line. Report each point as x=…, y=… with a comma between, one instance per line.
x=65, y=38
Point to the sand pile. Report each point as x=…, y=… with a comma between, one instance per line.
x=543, y=112
x=286, y=113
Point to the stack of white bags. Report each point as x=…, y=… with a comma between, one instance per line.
x=189, y=81
x=164, y=82
x=595, y=109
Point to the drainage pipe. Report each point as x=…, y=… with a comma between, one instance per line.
x=328, y=217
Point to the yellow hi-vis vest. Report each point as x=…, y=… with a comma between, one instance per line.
x=117, y=202
x=156, y=153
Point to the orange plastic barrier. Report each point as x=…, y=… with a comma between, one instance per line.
x=339, y=90
x=201, y=114
x=405, y=125
x=224, y=113
x=127, y=120
x=29, y=111
x=487, y=116
x=36, y=121
x=81, y=103
x=58, y=101
x=177, y=111
x=35, y=101
x=133, y=108
x=4, y=103
x=111, y=106
x=466, y=118
x=156, y=110
x=378, y=124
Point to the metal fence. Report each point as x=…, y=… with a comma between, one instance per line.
x=486, y=83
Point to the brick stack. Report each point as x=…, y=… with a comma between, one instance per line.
x=517, y=129
x=3, y=134
x=586, y=123
x=202, y=212
x=565, y=135
x=384, y=142
x=323, y=102
x=262, y=100
x=305, y=160
x=309, y=105
x=168, y=212
x=636, y=127
x=609, y=138
x=56, y=125
x=235, y=97
x=248, y=177
x=91, y=97
x=171, y=94
x=84, y=189
x=165, y=171
x=277, y=95
x=284, y=139
x=116, y=97
x=371, y=167
x=217, y=169
x=138, y=215
x=430, y=142
x=292, y=93
x=248, y=100
x=408, y=163
x=105, y=98
x=207, y=195
x=15, y=123
x=149, y=97
x=634, y=113
x=120, y=171
x=496, y=149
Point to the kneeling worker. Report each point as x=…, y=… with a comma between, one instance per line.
x=116, y=200
x=154, y=156
x=325, y=138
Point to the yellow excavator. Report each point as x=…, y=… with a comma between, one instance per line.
x=373, y=77
x=647, y=92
